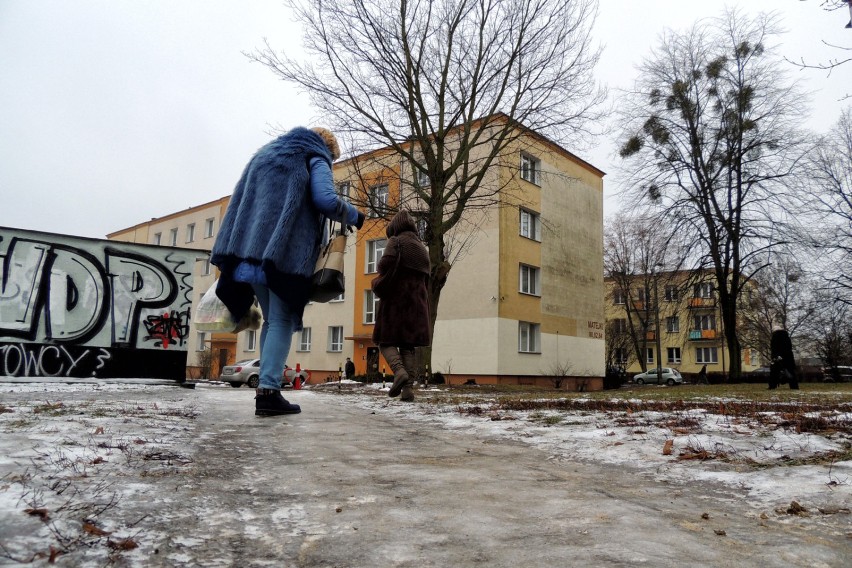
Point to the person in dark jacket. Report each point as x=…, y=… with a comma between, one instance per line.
x=402, y=321
x=349, y=369
x=269, y=241
x=783, y=367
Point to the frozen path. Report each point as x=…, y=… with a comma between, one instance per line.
x=341, y=486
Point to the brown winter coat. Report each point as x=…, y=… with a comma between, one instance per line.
x=403, y=313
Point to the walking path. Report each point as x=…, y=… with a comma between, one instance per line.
x=341, y=486
x=347, y=484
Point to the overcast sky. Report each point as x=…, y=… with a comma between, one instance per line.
x=113, y=112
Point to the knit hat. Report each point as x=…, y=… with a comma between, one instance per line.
x=329, y=140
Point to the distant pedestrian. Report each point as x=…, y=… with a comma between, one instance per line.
x=269, y=242
x=702, y=376
x=402, y=321
x=349, y=369
x=783, y=367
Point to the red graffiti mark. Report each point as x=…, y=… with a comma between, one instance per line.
x=168, y=329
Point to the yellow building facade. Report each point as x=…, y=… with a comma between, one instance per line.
x=523, y=303
x=690, y=325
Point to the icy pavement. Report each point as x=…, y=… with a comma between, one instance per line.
x=144, y=475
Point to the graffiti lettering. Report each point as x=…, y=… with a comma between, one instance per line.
x=33, y=360
x=57, y=291
x=168, y=328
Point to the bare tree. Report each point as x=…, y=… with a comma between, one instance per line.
x=846, y=52
x=829, y=333
x=450, y=87
x=828, y=201
x=711, y=137
x=641, y=257
x=781, y=295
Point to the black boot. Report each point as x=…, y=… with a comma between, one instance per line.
x=269, y=402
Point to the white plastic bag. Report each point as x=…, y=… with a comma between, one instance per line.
x=212, y=315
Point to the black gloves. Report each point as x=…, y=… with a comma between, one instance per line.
x=360, y=222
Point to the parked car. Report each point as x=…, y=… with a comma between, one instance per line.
x=670, y=377
x=840, y=374
x=248, y=373
x=761, y=374
x=241, y=373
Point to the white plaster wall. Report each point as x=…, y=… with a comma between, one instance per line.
x=468, y=346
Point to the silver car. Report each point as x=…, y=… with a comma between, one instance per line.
x=248, y=373
x=242, y=373
x=669, y=376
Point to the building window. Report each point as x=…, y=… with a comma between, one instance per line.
x=375, y=250
x=173, y=235
x=620, y=355
x=706, y=355
x=190, y=232
x=529, y=280
x=201, y=341
x=208, y=227
x=619, y=325
x=343, y=189
x=529, y=337
x=530, y=169
x=673, y=354
x=305, y=339
x=205, y=267
x=378, y=200
x=649, y=355
x=251, y=340
x=157, y=238
x=707, y=321
x=339, y=298
x=672, y=294
x=530, y=225
x=704, y=290
x=371, y=304
x=335, y=339
x=641, y=295
x=673, y=324
x=423, y=179
x=618, y=296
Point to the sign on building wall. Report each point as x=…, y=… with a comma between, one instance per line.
x=78, y=307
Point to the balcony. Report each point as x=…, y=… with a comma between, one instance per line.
x=703, y=334
x=699, y=303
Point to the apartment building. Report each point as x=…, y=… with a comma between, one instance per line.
x=195, y=228
x=690, y=324
x=523, y=303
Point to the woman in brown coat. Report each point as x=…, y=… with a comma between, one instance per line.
x=402, y=321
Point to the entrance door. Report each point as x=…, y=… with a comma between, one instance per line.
x=372, y=361
x=223, y=359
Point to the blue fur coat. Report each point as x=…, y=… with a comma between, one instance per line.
x=272, y=222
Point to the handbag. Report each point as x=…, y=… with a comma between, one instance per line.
x=328, y=281
x=212, y=315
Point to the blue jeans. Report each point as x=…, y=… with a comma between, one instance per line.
x=279, y=323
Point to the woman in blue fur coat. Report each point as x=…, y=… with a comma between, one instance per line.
x=269, y=242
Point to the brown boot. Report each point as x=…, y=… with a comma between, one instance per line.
x=410, y=362
x=400, y=377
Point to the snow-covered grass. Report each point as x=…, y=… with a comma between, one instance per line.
x=777, y=446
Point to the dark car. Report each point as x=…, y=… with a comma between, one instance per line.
x=761, y=374
x=838, y=374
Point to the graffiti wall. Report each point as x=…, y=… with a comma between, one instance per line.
x=77, y=307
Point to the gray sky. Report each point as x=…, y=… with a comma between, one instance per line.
x=116, y=111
